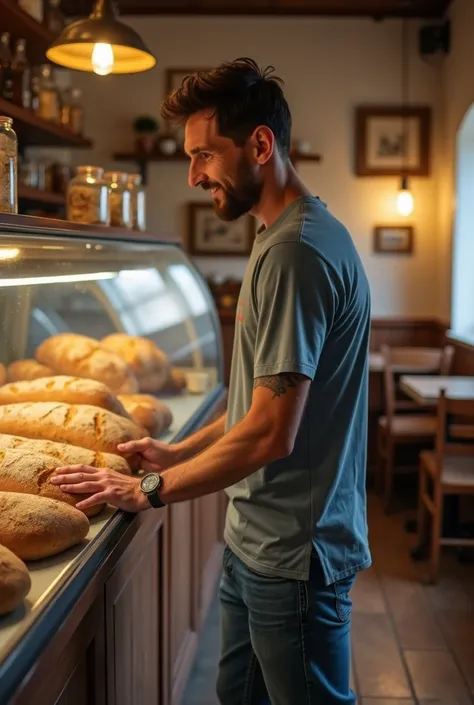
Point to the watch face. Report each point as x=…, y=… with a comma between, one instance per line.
x=150, y=482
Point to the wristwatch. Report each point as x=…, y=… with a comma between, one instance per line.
x=149, y=485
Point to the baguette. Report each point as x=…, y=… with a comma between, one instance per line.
x=66, y=454
x=15, y=581
x=37, y=527
x=80, y=356
x=81, y=425
x=3, y=373
x=149, y=412
x=30, y=473
x=27, y=370
x=60, y=388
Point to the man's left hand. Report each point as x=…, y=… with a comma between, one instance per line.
x=104, y=486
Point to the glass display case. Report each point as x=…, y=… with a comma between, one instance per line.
x=68, y=281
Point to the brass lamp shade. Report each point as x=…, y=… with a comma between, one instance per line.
x=73, y=48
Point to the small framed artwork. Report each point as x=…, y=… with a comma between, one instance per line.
x=394, y=239
x=210, y=236
x=391, y=141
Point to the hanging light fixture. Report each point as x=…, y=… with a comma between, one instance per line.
x=101, y=44
x=405, y=200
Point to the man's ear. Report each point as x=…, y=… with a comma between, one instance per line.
x=263, y=143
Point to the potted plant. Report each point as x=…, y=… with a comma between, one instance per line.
x=145, y=128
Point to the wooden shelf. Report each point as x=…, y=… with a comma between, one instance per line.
x=21, y=25
x=144, y=159
x=39, y=196
x=33, y=130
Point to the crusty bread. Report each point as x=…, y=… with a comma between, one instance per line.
x=81, y=425
x=80, y=356
x=61, y=388
x=37, y=527
x=27, y=370
x=3, y=373
x=65, y=453
x=15, y=581
x=175, y=382
x=149, y=363
x=149, y=412
x=21, y=471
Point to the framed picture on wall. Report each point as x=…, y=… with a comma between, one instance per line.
x=392, y=141
x=394, y=239
x=210, y=236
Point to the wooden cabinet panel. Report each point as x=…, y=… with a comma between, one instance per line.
x=182, y=639
x=133, y=622
x=207, y=552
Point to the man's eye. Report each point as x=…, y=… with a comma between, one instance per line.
x=205, y=155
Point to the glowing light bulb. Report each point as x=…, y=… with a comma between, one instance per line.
x=102, y=59
x=405, y=201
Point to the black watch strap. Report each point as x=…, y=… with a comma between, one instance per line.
x=155, y=501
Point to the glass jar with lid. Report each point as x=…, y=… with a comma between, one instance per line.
x=120, y=199
x=88, y=197
x=49, y=106
x=138, y=202
x=8, y=166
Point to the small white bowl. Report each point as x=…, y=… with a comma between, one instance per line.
x=197, y=382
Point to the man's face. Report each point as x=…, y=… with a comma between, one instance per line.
x=222, y=168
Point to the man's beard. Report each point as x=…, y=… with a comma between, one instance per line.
x=239, y=199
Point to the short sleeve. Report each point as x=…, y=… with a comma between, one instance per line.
x=295, y=301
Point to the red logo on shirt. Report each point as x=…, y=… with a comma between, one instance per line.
x=239, y=317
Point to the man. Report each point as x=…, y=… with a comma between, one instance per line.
x=291, y=450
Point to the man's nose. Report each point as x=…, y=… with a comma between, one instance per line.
x=195, y=177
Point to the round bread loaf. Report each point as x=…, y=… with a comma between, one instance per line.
x=15, y=581
x=37, y=527
x=149, y=364
x=27, y=370
x=80, y=356
x=147, y=411
x=175, y=382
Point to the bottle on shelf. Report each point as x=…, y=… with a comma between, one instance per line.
x=120, y=199
x=21, y=75
x=72, y=111
x=35, y=86
x=138, y=202
x=6, y=73
x=8, y=166
x=55, y=19
x=49, y=107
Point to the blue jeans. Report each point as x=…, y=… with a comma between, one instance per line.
x=284, y=642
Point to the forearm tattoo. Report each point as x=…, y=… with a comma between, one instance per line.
x=279, y=384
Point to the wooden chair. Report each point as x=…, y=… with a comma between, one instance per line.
x=404, y=422
x=451, y=471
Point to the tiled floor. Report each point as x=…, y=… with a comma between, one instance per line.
x=413, y=644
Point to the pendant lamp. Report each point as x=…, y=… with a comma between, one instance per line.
x=101, y=44
x=405, y=200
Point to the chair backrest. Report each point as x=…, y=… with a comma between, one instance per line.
x=455, y=428
x=411, y=360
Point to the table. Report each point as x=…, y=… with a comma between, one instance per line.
x=377, y=364
x=425, y=390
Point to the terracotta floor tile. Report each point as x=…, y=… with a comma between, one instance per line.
x=458, y=628
x=436, y=676
x=367, y=596
x=379, y=669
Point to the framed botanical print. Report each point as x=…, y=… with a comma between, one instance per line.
x=392, y=141
x=210, y=236
x=393, y=239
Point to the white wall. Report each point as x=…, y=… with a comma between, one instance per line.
x=329, y=66
x=458, y=96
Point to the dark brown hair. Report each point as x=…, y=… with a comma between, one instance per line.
x=241, y=95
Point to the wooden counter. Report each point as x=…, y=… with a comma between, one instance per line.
x=115, y=621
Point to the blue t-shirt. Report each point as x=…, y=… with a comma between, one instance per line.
x=304, y=307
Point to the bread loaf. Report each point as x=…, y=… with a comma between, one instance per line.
x=175, y=382
x=149, y=412
x=142, y=354
x=21, y=471
x=27, y=370
x=80, y=356
x=81, y=425
x=15, y=581
x=3, y=373
x=37, y=527
x=72, y=390
x=66, y=454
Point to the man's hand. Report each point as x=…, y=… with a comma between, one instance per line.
x=155, y=456
x=104, y=486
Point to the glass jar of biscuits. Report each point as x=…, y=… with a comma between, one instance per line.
x=88, y=197
x=121, y=215
x=138, y=202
